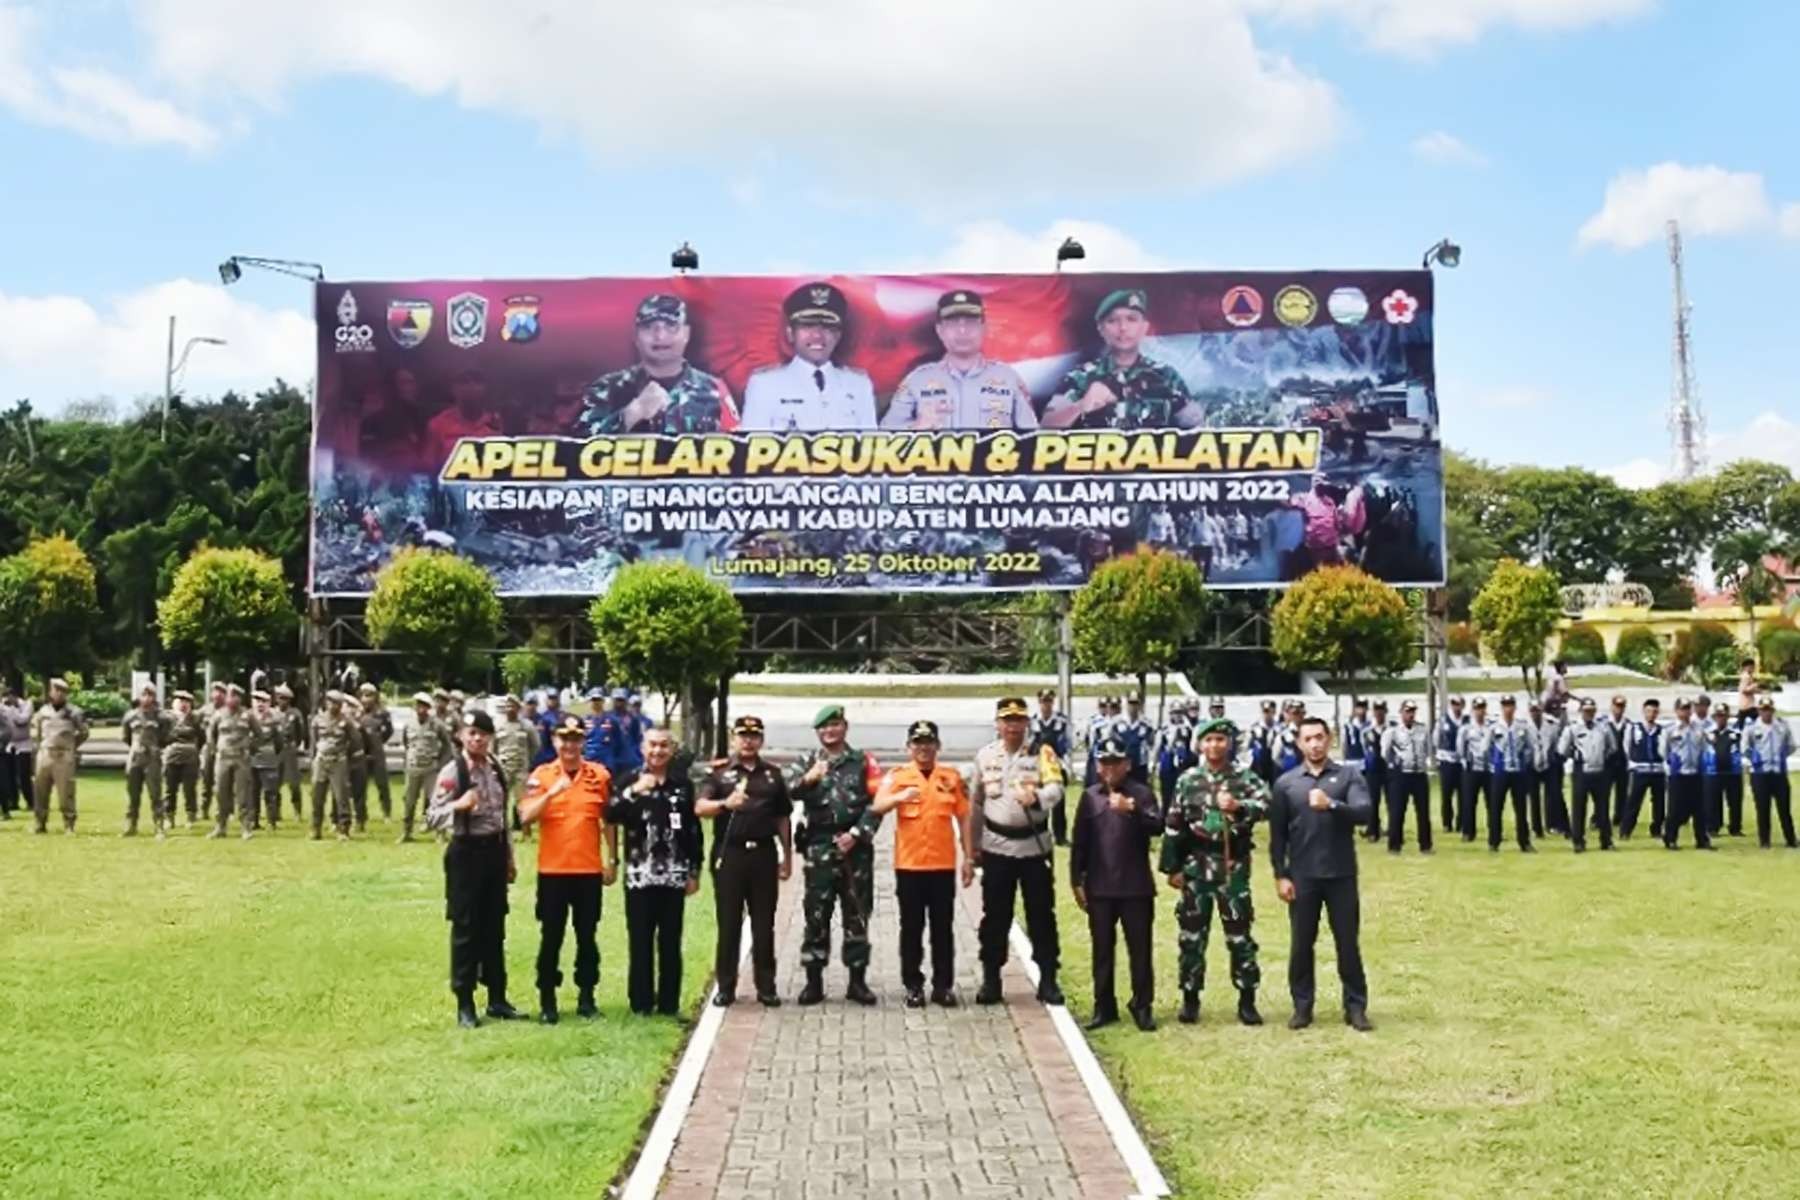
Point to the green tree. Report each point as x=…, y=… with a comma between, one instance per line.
x=230, y=607
x=1703, y=651
x=1582, y=646
x=1346, y=621
x=1516, y=613
x=1640, y=650
x=665, y=625
x=1741, y=562
x=48, y=606
x=1135, y=613
x=435, y=609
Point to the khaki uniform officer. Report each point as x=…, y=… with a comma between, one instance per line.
x=58, y=728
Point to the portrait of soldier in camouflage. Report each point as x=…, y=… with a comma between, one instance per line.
x=662, y=392
x=1122, y=389
x=1208, y=841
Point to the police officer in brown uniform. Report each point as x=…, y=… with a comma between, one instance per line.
x=377, y=731
x=58, y=728
x=184, y=736
x=215, y=704
x=292, y=723
x=332, y=734
x=142, y=730
x=234, y=783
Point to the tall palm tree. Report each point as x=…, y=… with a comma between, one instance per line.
x=1741, y=562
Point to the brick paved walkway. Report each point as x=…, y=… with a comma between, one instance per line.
x=844, y=1101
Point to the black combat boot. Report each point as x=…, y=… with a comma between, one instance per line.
x=1303, y=1016
x=1048, y=992
x=814, y=991
x=858, y=992
x=547, y=1013
x=1190, y=1006
x=990, y=986
x=1247, y=1014
x=465, y=1011
x=1358, y=1019
x=585, y=1008
x=500, y=1009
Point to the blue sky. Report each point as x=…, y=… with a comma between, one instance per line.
x=145, y=141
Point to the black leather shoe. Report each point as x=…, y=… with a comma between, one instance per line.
x=1048, y=992
x=814, y=991
x=585, y=1008
x=1358, y=1020
x=723, y=999
x=1247, y=1014
x=1301, y=1019
x=915, y=998
x=768, y=999
x=500, y=1010
x=858, y=992
x=990, y=986
x=1101, y=1019
x=465, y=1015
x=943, y=997
x=547, y=1013
x=1190, y=1008
x=1142, y=1018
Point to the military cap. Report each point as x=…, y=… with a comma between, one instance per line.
x=183, y=694
x=232, y=689
x=922, y=731
x=335, y=697
x=218, y=684
x=59, y=683
x=422, y=698
x=960, y=304
x=570, y=726
x=828, y=714
x=509, y=701
x=1222, y=725
x=816, y=304
x=747, y=726
x=367, y=689
x=457, y=696
x=284, y=692
x=1130, y=298
x=1011, y=706
x=621, y=693
x=1046, y=693
x=439, y=694
x=259, y=694
x=1111, y=746
x=660, y=306
x=477, y=719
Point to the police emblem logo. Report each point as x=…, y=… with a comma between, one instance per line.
x=519, y=323
x=1242, y=306
x=1400, y=307
x=408, y=322
x=821, y=295
x=466, y=316
x=1295, y=306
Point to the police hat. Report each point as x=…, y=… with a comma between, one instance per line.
x=456, y=697
x=748, y=726
x=1456, y=700
x=1111, y=746
x=1215, y=702
x=660, y=306
x=422, y=698
x=1381, y=705
x=596, y=693
x=1359, y=702
x=477, y=719
x=231, y=689
x=1509, y=701
x=1046, y=693
x=509, y=701
x=1589, y=702
x=816, y=304
x=922, y=731
x=1130, y=298
x=1478, y=702
x=1766, y=702
x=259, y=694
x=184, y=694
x=284, y=692
x=960, y=304
x=828, y=714
x=570, y=726
x=1268, y=706
x=621, y=693
x=439, y=694
x=1216, y=725
x=335, y=697
x=1011, y=706
x=1409, y=706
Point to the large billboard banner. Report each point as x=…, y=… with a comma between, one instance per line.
x=880, y=432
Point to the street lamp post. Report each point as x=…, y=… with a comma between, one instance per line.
x=172, y=367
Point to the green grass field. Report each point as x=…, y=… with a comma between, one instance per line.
x=1613, y=1025
x=220, y=1018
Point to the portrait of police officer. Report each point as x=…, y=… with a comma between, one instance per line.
x=811, y=391
x=662, y=392
x=1122, y=388
x=964, y=389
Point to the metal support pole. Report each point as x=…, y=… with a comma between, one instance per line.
x=1065, y=656
x=1437, y=653
x=168, y=380
x=314, y=638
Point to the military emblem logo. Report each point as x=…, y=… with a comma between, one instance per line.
x=1295, y=306
x=466, y=315
x=1347, y=306
x=408, y=322
x=1400, y=307
x=519, y=322
x=1243, y=307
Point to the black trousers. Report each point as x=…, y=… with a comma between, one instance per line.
x=1059, y=824
x=9, y=783
x=1378, y=787
x=1549, y=811
x=475, y=891
x=653, y=917
x=1449, y=793
x=1725, y=803
x=1643, y=781
x=1106, y=916
x=1598, y=788
x=922, y=895
x=1475, y=788
x=1772, y=790
x=1035, y=880
x=1408, y=787
x=746, y=879
x=1618, y=781
x=1687, y=800
x=24, y=768
x=563, y=900
x=1501, y=785
x=1343, y=908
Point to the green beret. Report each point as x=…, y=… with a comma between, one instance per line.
x=1217, y=725
x=1122, y=298
x=831, y=712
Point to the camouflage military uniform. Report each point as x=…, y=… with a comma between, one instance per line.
x=1214, y=865
x=268, y=747
x=332, y=737
x=143, y=734
x=183, y=737
x=515, y=744
x=838, y=803
x=377, y=728
x=58, y=732
x=427, y=746
x=234, y=785
x=697, y=401
x=1149, y=393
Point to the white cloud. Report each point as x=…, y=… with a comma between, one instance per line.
x=1422, y=26
x=984, y=246
x=1769, y=437
x=1512, y=398
x=86, y=100
x=1446, y=149
x=1708, y=201
x=931, y=98
x=57, y=348
x=1790, y=221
